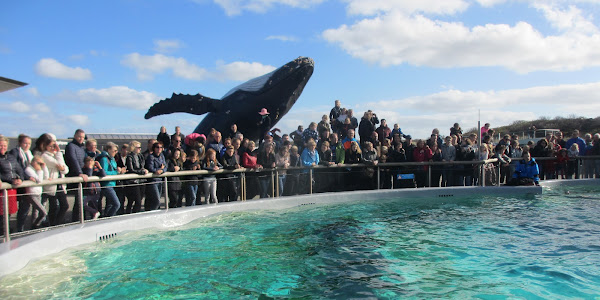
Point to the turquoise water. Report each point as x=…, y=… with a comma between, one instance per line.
x=543, y=247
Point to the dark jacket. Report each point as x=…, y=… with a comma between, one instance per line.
x=189, y=165
x=265, y=159
x=154, y=163
x=92, y=188
x=10, y=169
x=74, y=156
x=174, y=182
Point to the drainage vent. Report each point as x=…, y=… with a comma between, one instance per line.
x=445, y=195
x=303, y=204
x=106, y=237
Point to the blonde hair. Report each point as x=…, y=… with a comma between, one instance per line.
x=89, y=141
x=110, y=145
x=133, y=145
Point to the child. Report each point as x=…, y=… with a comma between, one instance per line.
x=210, y=163
x=191, y=185
x=561, y=162
x=175, y=164
x=230, y=162
x=572, y=163
x=38, y=171
x=92, y=189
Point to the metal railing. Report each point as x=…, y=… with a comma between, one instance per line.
x=394, y=169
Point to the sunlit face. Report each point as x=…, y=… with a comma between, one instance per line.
x=112, y=151
x=91, y=146
x=25, y=144
x=229, y=151
x=137, y=149
x=177, y=154
x=50, y=147
x=79, y=137
x=3, y=147
x=177, y=142
x=236, y=144
x=350, y=133
x=156, y=150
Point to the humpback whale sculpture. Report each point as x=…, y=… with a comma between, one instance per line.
x=276, y=91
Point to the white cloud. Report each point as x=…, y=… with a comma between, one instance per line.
x=372, y=7
x=117, y=96
x=283, y=38
x=33, y=91
x=419, y=115
x=569, y=19
x=49, y=67
x=166, y=46
x=42, y=108
x=236, y=7
x=148, y=66
x=240, y=70
x=17, y=106
x=396, y=38
x=79, y=120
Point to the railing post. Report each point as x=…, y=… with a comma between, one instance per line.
x=243, y=195
x=378, y=177
x=166, y=194
x=481, y=176
x=272, y=185
x=429, y=176
x=499, y=178
x=277, y=187
x=80, y=195
x=310, y=180
x=6, y=217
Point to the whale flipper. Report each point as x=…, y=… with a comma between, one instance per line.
x=192, y=104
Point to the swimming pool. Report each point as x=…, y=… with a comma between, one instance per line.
x=543, y=246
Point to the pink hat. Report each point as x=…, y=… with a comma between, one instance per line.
x=263, y=112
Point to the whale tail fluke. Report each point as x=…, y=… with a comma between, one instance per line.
x=193, y=104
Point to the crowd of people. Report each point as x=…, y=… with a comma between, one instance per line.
x=330, y=142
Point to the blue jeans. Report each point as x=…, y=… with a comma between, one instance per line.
x=153, y=192
x=112, y=201
x=190, y=194
x=281, y=184
x=265, y=186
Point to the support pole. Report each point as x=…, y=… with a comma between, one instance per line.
x=429, y=176
x=272, y=185
x=243, y=196
x=166, y=194
x=6, y=217
x=277, y=187
x=80, y=194
x=310, y=180
x=378, y=177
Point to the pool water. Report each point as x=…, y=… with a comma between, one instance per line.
x=482, y=247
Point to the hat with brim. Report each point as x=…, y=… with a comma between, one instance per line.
x=263, y=112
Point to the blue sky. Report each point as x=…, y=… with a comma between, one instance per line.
x=99, y=65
